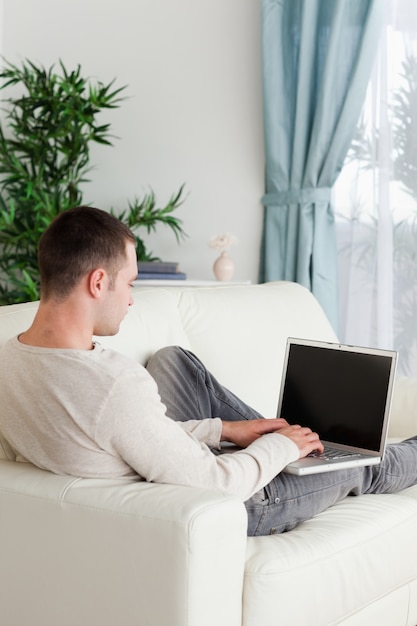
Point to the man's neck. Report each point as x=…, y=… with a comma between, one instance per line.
x=59, y=326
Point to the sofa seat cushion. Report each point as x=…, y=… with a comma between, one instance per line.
x=345, y=558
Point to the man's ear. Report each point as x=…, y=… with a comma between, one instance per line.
x=97, y=281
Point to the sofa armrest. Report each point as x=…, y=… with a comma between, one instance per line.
x=403, y=421
x=118, y=552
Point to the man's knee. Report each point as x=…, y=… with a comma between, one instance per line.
x=164, y=357
x=174, y=362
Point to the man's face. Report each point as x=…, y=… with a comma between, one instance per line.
x=118, y=297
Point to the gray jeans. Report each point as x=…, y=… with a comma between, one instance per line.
x=189, y=391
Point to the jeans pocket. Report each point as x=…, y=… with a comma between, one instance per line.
x=257, y=509
x=260, y=498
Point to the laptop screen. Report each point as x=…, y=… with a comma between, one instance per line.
x=342, y=393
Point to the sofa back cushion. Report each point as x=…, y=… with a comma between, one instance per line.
x=153, y=322
x=240, y=333
x=14, y=319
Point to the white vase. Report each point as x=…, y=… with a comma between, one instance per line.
x=224, y=267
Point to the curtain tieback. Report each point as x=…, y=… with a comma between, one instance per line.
x=296, y=196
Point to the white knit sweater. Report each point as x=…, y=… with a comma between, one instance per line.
x=96, y=413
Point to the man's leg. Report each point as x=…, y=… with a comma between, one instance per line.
x=289, y=500
x=190, y=391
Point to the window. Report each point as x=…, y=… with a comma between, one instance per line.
x=375, y=200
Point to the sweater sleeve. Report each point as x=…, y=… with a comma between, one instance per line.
x=208, y=431
x=133, y=426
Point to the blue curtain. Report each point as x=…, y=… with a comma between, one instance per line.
x=317, y=60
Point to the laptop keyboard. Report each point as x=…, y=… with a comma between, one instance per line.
x=332, y=454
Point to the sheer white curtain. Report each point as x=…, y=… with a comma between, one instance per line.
x=375, y=200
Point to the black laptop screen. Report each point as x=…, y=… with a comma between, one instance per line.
x=341, y=395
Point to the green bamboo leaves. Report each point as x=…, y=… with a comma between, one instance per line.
x=50, y=117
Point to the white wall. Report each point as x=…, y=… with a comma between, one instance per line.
x=193, y=113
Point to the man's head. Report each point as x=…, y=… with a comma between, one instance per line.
x=77, y=242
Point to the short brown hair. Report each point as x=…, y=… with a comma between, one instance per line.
x=76, y=242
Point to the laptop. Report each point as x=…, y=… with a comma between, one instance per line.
x=344, y=394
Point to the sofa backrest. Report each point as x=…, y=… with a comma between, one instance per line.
x=239, y=332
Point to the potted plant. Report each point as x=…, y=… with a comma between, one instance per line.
x=50, y=120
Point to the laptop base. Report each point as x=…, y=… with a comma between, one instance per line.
x=311, y=465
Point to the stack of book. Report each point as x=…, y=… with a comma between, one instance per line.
x=159, y=270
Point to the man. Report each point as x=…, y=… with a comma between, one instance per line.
x=71, y=407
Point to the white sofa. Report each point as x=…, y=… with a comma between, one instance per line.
x=76, y=552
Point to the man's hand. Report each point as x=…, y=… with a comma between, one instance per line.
x=304, y=438
x=243, y=433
